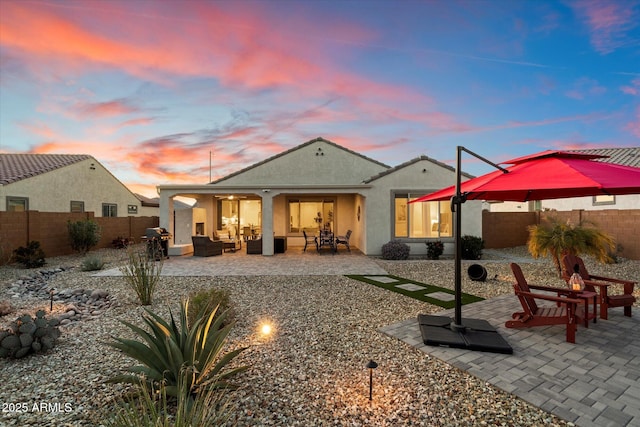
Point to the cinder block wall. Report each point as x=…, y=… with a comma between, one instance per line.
x=50, y=229
x=509, y=229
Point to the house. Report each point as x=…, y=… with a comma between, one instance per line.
x=629, y=156
x=65, y=183
x=322, y=185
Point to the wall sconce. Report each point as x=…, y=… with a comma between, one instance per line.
x=371, y=366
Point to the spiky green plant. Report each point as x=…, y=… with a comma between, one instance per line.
x=559, y=238
x=142, y=274
x=151, y=407
x=204, y=301
x=169, y=350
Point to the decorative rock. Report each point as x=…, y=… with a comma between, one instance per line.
x=99, y=293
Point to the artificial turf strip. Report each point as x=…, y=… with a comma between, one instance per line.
x=421, y=295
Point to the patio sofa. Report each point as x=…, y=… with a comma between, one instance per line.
x=204, y=246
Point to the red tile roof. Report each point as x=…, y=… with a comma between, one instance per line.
x=15, y=167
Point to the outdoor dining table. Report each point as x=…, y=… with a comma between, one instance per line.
x=327, y=238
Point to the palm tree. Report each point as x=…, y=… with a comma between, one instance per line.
x=562, y=238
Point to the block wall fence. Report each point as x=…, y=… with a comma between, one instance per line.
x=50, y=229
x=509, y=229
x=500, y=229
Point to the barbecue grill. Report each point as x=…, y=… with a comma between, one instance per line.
x=157, y=242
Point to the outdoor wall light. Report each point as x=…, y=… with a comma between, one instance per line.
x=371, y=366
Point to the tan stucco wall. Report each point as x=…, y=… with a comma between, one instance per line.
x=586, y=203
x=331, y=166
x=53, y=191
x=423, y=176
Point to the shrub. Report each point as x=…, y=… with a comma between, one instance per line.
x=142, y=274
x=395, y=250
x=172, y=353
x=472, y=247
x=26, y=335
x=559, y=238
x=31, y=256
x=434, y=249
x=122, y=242
x=92, y=263
x=83, y=235
x=203, y=302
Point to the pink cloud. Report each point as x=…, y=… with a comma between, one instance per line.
x=116, y=107
x=585, y=87
x=633, y=89
x=609, y=22
x=634, y=125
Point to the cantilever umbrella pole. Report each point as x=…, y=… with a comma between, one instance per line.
x=456, y=206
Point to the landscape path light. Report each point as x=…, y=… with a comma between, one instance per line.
x=371, y=366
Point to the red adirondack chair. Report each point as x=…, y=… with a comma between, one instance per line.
x=626, y=299
x=564, y=312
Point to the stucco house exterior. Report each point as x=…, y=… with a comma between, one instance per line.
x=66, y=183
x=322, y=185
x=628, y=156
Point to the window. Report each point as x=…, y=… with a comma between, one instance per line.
x=109, y=209
x=604, y=200
x=17, y=204
x=421, y=220
x=310, y=215
x=132, y=209
x=77, y=206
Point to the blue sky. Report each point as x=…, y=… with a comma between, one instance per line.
x=150, y=88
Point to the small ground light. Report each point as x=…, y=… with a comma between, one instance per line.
x=371, y=366
x=265, y=329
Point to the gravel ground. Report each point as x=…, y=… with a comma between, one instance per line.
x=310, y=371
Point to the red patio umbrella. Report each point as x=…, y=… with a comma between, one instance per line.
x=546, y=175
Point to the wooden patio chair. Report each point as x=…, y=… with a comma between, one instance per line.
x=626, y=299
x=564, y=312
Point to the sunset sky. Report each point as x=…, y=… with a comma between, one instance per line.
x=151, y=87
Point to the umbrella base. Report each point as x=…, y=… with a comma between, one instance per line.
x=473, y=334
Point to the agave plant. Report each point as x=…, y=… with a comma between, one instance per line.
x=562, y=238
x=169, y=352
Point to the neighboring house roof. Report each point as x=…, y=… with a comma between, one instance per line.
x=16, y=167
x=627, y=156
x=298, y=147
x=409, y=163
x=146, y=201
x=155, y=202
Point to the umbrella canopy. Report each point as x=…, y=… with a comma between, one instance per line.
x=547, y=175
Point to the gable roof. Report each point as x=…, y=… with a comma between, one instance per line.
x=627, y=156
x=411, y=162
x=298, y=147
x=15, y=167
